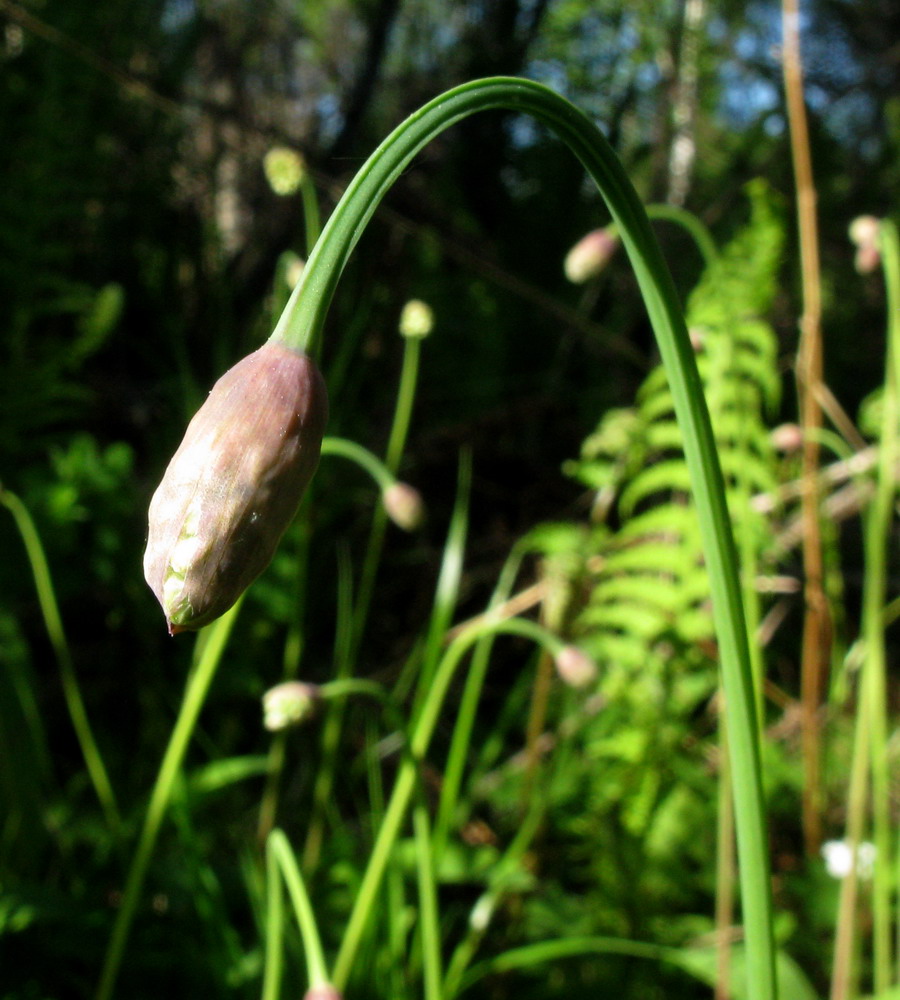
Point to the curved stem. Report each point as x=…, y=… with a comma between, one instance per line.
x=363, y=458
x=406, y=777
x=43, y=583
x=279, y=849
x=688, y=221
x=304, y=317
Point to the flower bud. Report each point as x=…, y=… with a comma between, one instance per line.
x=864, y=234
x=284, y=169
x=575, y=667
x=324, y=992
x=416, y=319
x=234, y=484
x=288, y=704
x=787, y=438
x=589, y=256
x=404, y=506
x=294, y=265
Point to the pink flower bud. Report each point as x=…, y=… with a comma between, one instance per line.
x=575, y=667
x=234, y=484
x=864, y=233
x=589, y=256
x=787, y=438
x=289, y=704
x=404, y=506
x=322, y=993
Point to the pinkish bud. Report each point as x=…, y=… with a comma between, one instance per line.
x=575, y=667
x=864, y=229
x=787, y=438
x=289, y=704
x=589, y=256
x=404, y=506
x=864, y=233
x=324, y=992
x=234, y=484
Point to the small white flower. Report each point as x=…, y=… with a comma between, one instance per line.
x=288, y=704
x=417, y=319
x=839, y=858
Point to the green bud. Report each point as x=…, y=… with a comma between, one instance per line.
x=284, y=169
x=416, y=319
x=234, y=484
x=288, y=704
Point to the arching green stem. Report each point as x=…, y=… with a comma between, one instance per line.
x=279, y=853
x=303, y=320
x=406, y=777
x=362, y=456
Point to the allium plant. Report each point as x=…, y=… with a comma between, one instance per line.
x=199, y=558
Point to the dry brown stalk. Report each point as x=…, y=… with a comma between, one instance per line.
x=816, y=648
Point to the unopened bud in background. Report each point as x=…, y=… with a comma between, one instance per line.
x=234, y=484
x=284, y=169
x=322, y=993
x=288, y=704
x=294, y=265
x=416, y=319
x=404, y=506
x=575, y=667
x=589, y=256
x=787, y=438
x=864, y=232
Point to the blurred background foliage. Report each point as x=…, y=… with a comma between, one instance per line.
x=139, y=244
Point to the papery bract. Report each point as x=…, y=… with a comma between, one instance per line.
x=234, y=484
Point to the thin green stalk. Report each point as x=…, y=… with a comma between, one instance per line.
x=210, y=647
x=422, y=661
x=460, y=742
x=393, y=963
x=870, y=733
x=274, y=928
x=447, y=590
x=331, y=729
x=396, y=933
x=384, y=475
x=406, y=394
x=428, y=923
x=362, y=457
x=549, y=952
x=304, y=317
x=350, y=686
x=842, y=963
x=876, y=546
x=403, y=405
x=690, y=223
x=291, y=659
x=505, y=868
x=43, y=583
x=316, y=969
x=406, y=778
x=889, y=241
